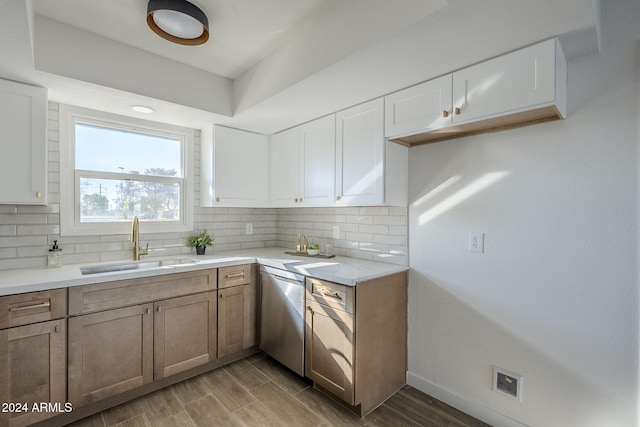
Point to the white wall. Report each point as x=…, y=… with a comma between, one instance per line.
x=554, y=297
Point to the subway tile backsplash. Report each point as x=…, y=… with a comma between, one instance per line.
x=27, y=232
x=364, y=232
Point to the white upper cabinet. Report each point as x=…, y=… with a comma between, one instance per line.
x=302, y=164
x=519, y=81
x=369, y=171
x=522, y=87
x=234, y=168
x=23, y=142
x=426, y=106
x=318, y=151
x=285, y=168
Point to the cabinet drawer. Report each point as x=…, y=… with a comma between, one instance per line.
x=331, y=294
x=123, y=293
x=32, y=307
x=236, y=275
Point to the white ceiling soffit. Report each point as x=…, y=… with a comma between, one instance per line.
x=333, y=34
x=75, y=40
x=68, y=51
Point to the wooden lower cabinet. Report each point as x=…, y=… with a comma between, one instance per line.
x=237, y=328
x=110, y=352
x=356, y=339
x=330, y=350
x=32, y=371
x=184, y=333
x=113, y=351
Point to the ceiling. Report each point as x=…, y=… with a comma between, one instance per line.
x=242, y=31
x=269, y=64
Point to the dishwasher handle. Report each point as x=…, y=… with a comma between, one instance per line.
x=286, y=279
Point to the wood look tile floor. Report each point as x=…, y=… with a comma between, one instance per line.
x=258, y=391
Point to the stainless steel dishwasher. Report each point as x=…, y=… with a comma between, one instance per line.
x=282, y=317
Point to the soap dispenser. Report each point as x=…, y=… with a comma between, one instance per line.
x=55, y=255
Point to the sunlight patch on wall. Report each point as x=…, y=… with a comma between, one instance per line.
x=461, y=195
x=439, y=189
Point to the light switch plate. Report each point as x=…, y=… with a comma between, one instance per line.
x=476, y=241
x=336, y=231
x=249, y=228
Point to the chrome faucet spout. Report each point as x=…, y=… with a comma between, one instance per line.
x=135, y=238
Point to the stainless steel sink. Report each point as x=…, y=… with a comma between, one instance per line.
x=137, y=265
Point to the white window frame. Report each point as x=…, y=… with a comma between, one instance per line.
x=70, y=224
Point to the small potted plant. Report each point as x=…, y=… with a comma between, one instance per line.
x=313, y=249
x=200, y=241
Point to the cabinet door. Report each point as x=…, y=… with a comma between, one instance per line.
x=23, y=168
x=184, y=334
x=236, y=319
x=233, y=167
x=32, y=370
x=510, y=83
x=110, y=352
x=329, y=350
x=360, y=155
x=420, y=108
x=317, y=150
x=285, y=168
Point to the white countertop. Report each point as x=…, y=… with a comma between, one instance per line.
x=343, y=270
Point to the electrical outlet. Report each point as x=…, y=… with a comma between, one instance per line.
x=476, y=241
x=249, y=228
x=507, y=383
x=336, y=231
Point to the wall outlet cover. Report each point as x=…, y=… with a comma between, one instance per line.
x=249, y=228
x=476, y=241
x=507, y=383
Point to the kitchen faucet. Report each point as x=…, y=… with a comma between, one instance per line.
x=135, y=238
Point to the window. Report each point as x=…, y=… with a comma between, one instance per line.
x=114, y=168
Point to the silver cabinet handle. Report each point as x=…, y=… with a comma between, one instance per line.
x=29, y=307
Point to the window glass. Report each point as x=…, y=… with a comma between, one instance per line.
x=116, y=150
x=112, y=200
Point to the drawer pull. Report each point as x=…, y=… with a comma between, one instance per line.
x=332, y=295
x=328, y=293
x=232, y=275
x=29, y=307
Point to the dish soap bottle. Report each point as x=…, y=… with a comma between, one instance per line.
x=55, y=255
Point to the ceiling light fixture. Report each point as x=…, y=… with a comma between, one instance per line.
x=142, y=109
x=178, y=21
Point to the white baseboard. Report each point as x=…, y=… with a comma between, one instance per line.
x=474, y=409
